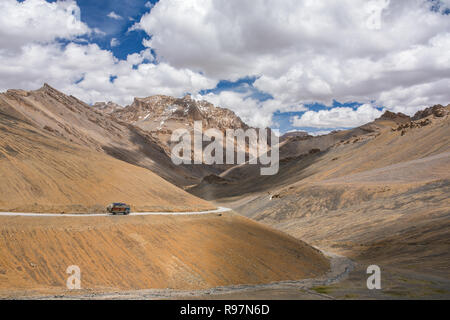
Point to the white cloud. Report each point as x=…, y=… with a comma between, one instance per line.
x=251, y=111
x=79, y=68
x=114, y=16
x=114, y=42
x=301, y=51
x=63, y=66
x=340, y=117
x=38, y=21
x=310, y=51
x=444, y=5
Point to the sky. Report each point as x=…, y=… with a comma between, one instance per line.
x=308, y=65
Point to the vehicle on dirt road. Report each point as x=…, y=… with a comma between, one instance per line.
x=118, y=208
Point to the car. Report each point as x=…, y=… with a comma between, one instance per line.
x=118, y=208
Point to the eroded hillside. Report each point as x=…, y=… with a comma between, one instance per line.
x=76, y=122
x=44, y=173
x=378, y=194
x=144, y=252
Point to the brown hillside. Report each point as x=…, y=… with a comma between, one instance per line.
x=379, y=197
x=374, y=145
x=143, y=252
x=44, y=173
x=76, y=122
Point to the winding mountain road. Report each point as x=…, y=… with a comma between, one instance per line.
x=53, y=215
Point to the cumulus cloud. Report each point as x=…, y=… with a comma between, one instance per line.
x=244, y=102
x=114, y=16
x=253, y=112
x=310, y=51
x=341, y=117
x=114, y=42
x=82, y=69
x=86, y=70
x=38, y=21
x=442, y=5
x=390, y=53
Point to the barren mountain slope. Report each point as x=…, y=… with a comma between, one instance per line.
x=374, y=145
x=44, y=173
x=380, y=198
x=161, y=115
x=143, y=252
x=106, y=107
x=69, y=118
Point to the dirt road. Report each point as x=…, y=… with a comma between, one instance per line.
x=52, y=215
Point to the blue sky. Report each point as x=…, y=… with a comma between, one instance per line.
x=95, y=14
x=291, y=65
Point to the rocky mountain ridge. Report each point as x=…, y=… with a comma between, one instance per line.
x=73, y=120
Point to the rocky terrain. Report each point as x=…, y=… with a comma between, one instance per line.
x=106, y=107
x=44, y=172
x=299, y=135
x=76, y=122
x=161, y=115
x=377, y=194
